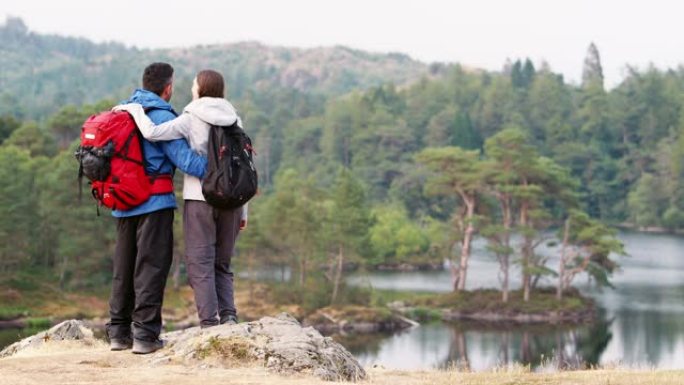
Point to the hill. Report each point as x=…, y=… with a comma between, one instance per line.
x=40, y=73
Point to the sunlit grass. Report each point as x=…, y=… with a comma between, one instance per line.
x=515, y=375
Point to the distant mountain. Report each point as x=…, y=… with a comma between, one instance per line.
x=41, y=73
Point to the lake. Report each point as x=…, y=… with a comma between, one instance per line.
x=642, y=321
x=641, y=325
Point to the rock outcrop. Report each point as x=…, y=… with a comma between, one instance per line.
x=279, y=344
x=71, y=330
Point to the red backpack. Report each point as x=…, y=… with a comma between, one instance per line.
x=111, y=157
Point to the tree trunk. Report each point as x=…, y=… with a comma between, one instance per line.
x=561, y=268
x=302, y=270
x=454, y=275
x=338, y=274
x=507, y=244
x=467, y=241
x=330, y=274
x=504, y=284
x=526, y=252
x=62, y=274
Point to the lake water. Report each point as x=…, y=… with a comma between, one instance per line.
x=642, y=319
x=642, y=322
x=9, y=336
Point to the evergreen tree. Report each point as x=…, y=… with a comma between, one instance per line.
x=592, y=73
x=600, y=167
x=394, y=237
x=76, y=242
x=293, y=220
x=456, y=172
x=35, y=140
x=349, y=223
x=528, y=72
x=7, y=125
x=381, y=152
x=551, y=107
x=16, y=205
x=587, y=247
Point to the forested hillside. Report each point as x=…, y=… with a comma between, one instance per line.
x=41, y=73
x=351, y=169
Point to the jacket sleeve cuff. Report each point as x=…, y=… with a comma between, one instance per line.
x=144, y=123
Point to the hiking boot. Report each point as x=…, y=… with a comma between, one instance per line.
x=117, y=344
x=229, y=320
x=147, y=347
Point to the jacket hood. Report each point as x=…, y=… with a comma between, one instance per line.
x=149, y=99
x=215, y=111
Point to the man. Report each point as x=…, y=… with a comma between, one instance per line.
x=144, y=245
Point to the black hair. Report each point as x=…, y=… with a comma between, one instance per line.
x=157, y=76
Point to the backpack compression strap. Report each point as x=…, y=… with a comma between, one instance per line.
x=161, y=184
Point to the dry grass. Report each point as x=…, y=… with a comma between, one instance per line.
x=515, y=377
x=97, y=365
x=235, y=350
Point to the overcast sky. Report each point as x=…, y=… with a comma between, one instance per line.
x=479, y=33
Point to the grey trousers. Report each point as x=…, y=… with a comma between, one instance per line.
x=210, y=236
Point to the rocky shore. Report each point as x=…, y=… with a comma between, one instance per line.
x=278, y=344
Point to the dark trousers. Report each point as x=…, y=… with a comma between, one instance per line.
x=210, y=236
x=142, y=259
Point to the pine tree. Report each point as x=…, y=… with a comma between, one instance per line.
x=456, y=172
x=592, y=74
x=350, y=222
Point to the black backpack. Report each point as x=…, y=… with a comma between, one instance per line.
x=231, y=178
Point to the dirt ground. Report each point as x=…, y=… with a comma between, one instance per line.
x=97, y=365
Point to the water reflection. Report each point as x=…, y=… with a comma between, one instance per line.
x=476, y=347
x=642, y=323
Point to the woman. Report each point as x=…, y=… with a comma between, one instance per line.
x=210, y=233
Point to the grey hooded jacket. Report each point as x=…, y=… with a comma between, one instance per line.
x=193, y=125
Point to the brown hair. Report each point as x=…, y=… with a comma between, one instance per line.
x=209, y=83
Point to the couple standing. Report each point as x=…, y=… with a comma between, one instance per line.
x=144, y=245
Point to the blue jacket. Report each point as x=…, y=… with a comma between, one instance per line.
x=163, y=157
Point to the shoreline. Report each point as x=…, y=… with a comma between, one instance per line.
x=98, y=365
x=535, y=318
x=485, y=306
x=648, y=229
x=482, y=305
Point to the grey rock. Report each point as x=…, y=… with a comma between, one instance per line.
x=286, y=317
x=68, y=330
x=278, y=343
